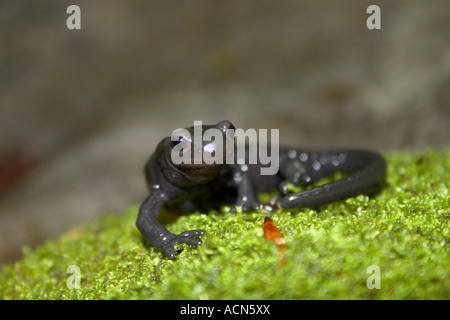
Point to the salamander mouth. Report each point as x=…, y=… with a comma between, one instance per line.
x=203, y=165
x=224, y=156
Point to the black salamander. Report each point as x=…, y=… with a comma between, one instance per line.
x=192, y=186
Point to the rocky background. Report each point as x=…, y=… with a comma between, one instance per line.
x=82, y=110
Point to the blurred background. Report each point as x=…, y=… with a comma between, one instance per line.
x=82, y=110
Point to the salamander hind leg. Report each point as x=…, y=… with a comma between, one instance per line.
x=365, y=174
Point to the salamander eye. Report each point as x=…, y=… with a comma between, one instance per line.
x=225, y=125
x=176, y=142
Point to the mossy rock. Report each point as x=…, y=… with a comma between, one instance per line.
x=404, y=231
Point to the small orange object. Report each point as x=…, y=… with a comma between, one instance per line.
x=272, y=233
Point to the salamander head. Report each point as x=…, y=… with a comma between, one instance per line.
x=195, y=155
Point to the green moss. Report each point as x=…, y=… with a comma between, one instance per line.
x=404, y=230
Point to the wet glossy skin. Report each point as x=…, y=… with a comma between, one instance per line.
x=188, y=187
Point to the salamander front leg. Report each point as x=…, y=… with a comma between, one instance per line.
x=246, y=196
x=155, y=232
